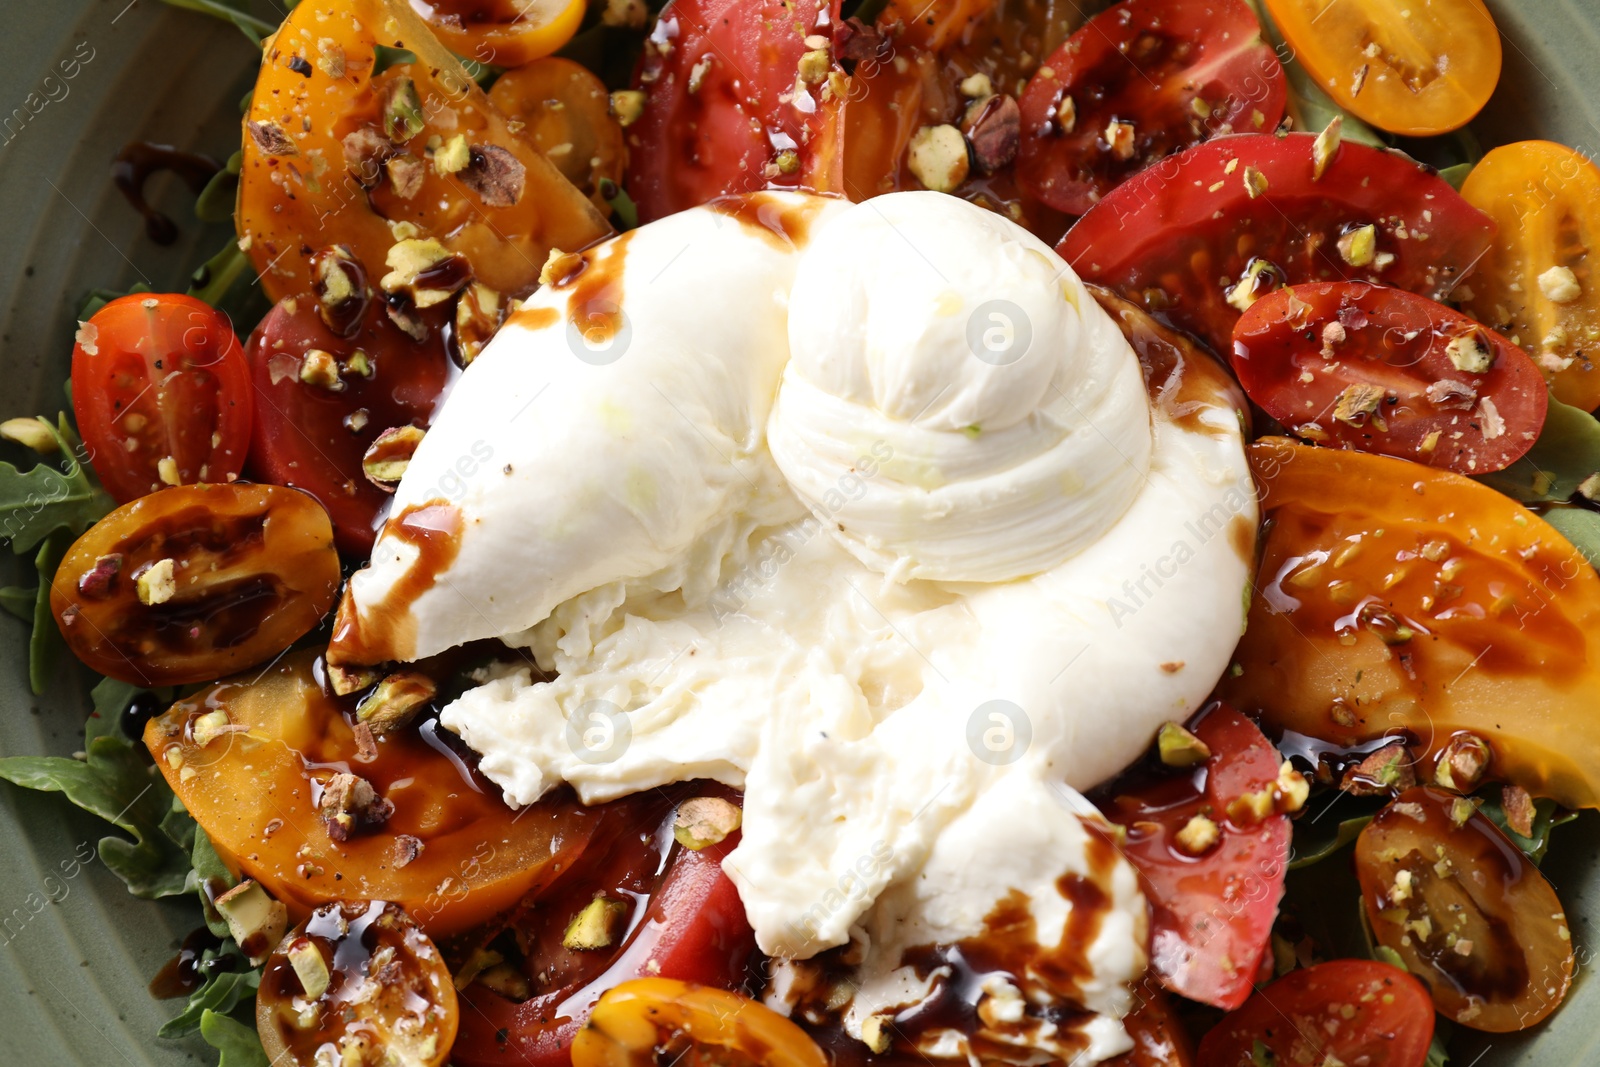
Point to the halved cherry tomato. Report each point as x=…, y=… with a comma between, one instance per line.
x=1393, y=598
x=1342, y=1011
x=312, y=434
x=450, y=851
x=1414, y=69
x=692, y=929
x=1159, y=1038
x=196, y=581
x=1211, y=912
x=1238, y=216
x=379, y=993
x=161, y=394
x=1382, y=370
x=507, y=33
x=334, y=153
x=723, y=110
x=1155, y=76
x=641, y=1021
x=1546, y=199
x=1466, y=909
x=566, y=112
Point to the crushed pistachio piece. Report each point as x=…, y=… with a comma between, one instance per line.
x=1463, y=762
x=1589, y=488
x=255, y=920
x=1067, y=115
x=1198, y=835
x=814, y=66
x=155, y=583
x=1560, y=285
x=559, y=266
x=1517, y=803
x=788, y=161
x=1119, y=136
x=1358, y=403
x=1359, y=247
x=1387, y=770
x=31, y=433
x=402, y=111
x=210, y=726
x=1258, y=278
x=1325, y=146
x=387, y=458
x=1462, y=809
x=452, y=156
x=319, y=368
x=395, y=702
x=350, y=804
x=875, y=1033
x=346, y=680
x=1255, y=183
x=627, y=105
x=596, y=926
x=1470, y=352
x=1293, y=789
x=938, y=158
x=1180, y=748
x=1248, y=809
x=408, y=260
x=705, y=821
x=309, y=966
x=977, y=86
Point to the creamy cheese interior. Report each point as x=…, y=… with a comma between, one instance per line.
x=772, y=497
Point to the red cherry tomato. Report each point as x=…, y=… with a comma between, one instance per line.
x=693, y=928
x=721, y=106
x=161, y=393
x=1211, y=914
x=1380, y=370
x=1184, y=235
x=312, y=434
x=1343, y=1011
x=1172, y=72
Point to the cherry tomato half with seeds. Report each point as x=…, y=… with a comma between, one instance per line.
x=1466, y=910
x=1343, y=1011
x=507, y=33
x=161, y=394
x=1381, y=370
x=196, y=581
x=1196, y=238
x=1138, y=82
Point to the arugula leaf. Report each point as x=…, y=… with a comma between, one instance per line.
x=384, y=57
x=1567, y=452
x=229, y=981
x=1385, y=954
x=45, y=642
x=1319, y=846
x=209, y=874
x=1438, y=1053
x=239, y=1044
x=216, y=201
x=110, y=699
x=1457, y=175
x=230, y=11
x=228, y=282
x=1580, y=526
x=19, y=601
x=35, y=504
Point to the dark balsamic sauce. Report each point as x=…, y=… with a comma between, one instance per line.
x=139, y=161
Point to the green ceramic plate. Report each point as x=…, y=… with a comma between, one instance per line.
x=75, y=953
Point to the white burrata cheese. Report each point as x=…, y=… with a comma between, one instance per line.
x=869, y=512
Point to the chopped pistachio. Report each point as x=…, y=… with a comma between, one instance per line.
x=97, y=582
x=596, y=926
x=1198, y=835
x=875, y=1033
x=405, y=175
x=1518, y=806
x=387, y=458
x=1387, y=770
x=210, y=726
x=1589, y=488
x=1325, y=146
x=1067, y=114
x=346, y=680
x=1358, y=403
x=1462, y=809
x=627, y=105
x=396, y=701
x=1248, y=809
x=1258, y=277
x=309, y=966
x=155, y=583
x=814, y=66
x=402, y=111
x=938, y=158
x=1560, y=285
x=409, y=260
x=359, y=363
x=1470, y=352
x=480, y=960
x=788, y=161
x=350, y=805
x=479, y=313
x=1400, y=891
x=31, y=433
x=1293, y=789
x=505, y=980
x=167, y=471
x=977, y=86
x=452, y=156
x=320, y=369
x=1119, y=136
x=1462, y=762
x=1359, y=246
x=704, y=821
x=1255, y=183
x=1180, y=748
x=559, y=266
x=255, y=920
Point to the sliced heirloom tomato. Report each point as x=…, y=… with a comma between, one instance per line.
x=1343, y=1011
x=1212, y=905
x=1140, y=81
x=359, y=985
x=313, y=434
x=507, y=33
x=196, y=581
x=1198, y=236
x=726, y=110
x=566, y=112
x=1392, y=598
x=1413, y=69
x=1382, y=370
x=1546, y=199
x=1466, y=910
x=641, y=1022
x=336, y=150
x=252, y=759
x=161, y=394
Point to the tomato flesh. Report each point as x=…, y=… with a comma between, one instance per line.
x=1179, y=237
x=161, y=394
x=1342, y=1011
x=1382, y=370
x=566, y=113
x=1211, y=914
x=507, y=33
x=1177, y=72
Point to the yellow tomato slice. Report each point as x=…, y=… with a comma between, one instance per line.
x=507, y=33
x=1393, y=598
x=1546, y=200
x=1416, y=67
x=635, y=1022
x=566, y=112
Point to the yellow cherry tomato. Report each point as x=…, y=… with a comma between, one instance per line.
x=635, y=1020
x=507, y=33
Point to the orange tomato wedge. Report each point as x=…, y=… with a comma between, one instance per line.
x=635, y=1019
x=507, y=33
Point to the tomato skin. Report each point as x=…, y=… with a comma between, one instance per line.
x=726, y=134
x=1398, y=342
x=502, y=33
x=1127, y=241
x=1301, y=1018
x=253, y=570
x=1136, y=62
x=1239, y=880
x=634, y=1019
x=1546, y=199
x=562, y=103
x=1159, y=1037
x=1412, y=69
x=309, y=437
x=1395, y=598
x=694, y=930
x=163, y=373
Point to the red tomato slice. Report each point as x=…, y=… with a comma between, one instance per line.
x=311, y=436
x=722, y=108
x=1380, y=370
x=159, y=377
x=1176, y=72
x=1210, y=915
x=1179, y=237
x=1342, y=1011
x=693, y=929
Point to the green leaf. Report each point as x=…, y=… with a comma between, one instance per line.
x=1567, y=452
x=239, y=1044
x=209, y=877
x=99, y=298
x=19, y=601
x=1321, y=833
x=1319, y=847
x=1443, y=1030
x=55, y=495
x=234, y=12
x=1457, y=175
x=45, y=642
x=227, y=281
x=1385, y=954
x=216, y=201
x=385, y=57
x=110, y=699
x=1546, y=816
x=222, y=991
x=1581, y=527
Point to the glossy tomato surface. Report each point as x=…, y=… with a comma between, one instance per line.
x=161, y=394
x=507, y=33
